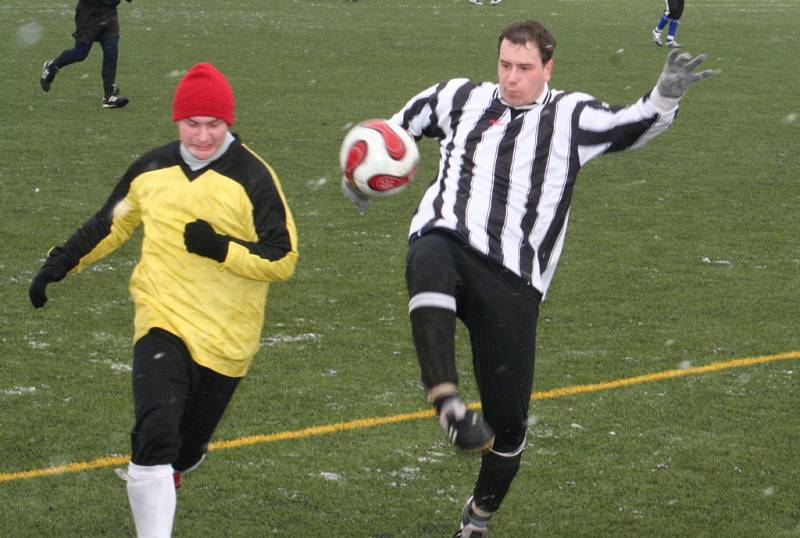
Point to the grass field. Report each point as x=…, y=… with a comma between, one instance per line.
x=681, y=258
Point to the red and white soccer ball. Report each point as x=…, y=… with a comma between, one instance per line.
x=379, y=158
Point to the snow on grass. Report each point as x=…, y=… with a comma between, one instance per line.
x=331, y=477
x=17, y=391
x=288, y=339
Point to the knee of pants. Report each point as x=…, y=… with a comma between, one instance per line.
x=110, y=50
x=189, y=456
x=154, y=441
x=430, y=265
x=110, y=58
x=80, y=51
x=510, y=441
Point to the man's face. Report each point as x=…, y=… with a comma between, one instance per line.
x=521, y=73
x=202, y=135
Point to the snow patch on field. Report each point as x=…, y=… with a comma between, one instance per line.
x=17, y=391
x=331, y=477
x=288, y=339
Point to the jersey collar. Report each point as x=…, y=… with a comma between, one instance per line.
x=543, y=98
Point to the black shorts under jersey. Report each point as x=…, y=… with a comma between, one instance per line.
x=178, y=403
x=95, y=23
x=674, y=9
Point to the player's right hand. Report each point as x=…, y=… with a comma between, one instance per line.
x=358, y=199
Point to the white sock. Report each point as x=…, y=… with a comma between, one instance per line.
x=151, y=493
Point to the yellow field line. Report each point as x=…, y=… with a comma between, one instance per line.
x=666, y=374
x=311, y=431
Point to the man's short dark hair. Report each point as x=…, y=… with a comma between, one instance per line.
x=523, y=32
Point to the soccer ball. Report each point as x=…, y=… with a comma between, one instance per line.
x=378, y=158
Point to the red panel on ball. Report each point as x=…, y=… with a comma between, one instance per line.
x=385, y=183
x=355, y=157
x=394, y=144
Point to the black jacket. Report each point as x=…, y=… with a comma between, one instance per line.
x=107, y=4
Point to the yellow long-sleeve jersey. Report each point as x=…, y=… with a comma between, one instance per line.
x=217, y=309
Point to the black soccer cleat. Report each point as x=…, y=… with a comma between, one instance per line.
x=465, y=428
x=115, y=100
x=48, y=74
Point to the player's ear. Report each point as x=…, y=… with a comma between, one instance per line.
x=548, y=69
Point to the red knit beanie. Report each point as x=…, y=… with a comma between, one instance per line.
x=203, y=91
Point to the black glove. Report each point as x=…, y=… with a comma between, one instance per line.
x=200, y=238
x=55, y=268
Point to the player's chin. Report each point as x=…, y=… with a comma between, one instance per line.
x=515, y=98
x=202, y=152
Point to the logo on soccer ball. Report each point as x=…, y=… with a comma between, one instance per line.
x=379, y=158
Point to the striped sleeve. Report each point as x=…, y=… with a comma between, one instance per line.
x=426, y=113
x=601, y=128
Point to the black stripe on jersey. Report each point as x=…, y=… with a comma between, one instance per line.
x=501, y=186
x=620, y=138
x=544, y=136
x=560, y=216
x=416, y=109
x=488, y=119
x=433, y=130
x=459, y=100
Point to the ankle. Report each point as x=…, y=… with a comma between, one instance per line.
x=477, y=512
x=441, y=392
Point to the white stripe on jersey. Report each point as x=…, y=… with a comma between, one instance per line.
x=506, y=175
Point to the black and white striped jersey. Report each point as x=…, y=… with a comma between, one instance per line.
x=506, y=174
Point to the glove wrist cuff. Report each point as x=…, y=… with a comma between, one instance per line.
x=663, y=104
x=221, y=250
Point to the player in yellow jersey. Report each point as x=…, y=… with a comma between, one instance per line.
x=217, y=231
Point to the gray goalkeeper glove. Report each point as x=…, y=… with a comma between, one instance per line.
x=358, y=199
x=678, y=75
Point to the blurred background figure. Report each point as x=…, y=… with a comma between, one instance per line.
x=670, y=17
x=95, y=21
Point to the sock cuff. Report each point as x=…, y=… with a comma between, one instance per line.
x=441, y=392
x=149, y=472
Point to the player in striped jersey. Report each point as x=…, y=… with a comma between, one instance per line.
x=488, y=233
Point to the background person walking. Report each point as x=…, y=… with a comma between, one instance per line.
x=95, y=21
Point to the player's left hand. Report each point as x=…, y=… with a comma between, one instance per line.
x=678, y=73
x=358, y=199
x=201, y=239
